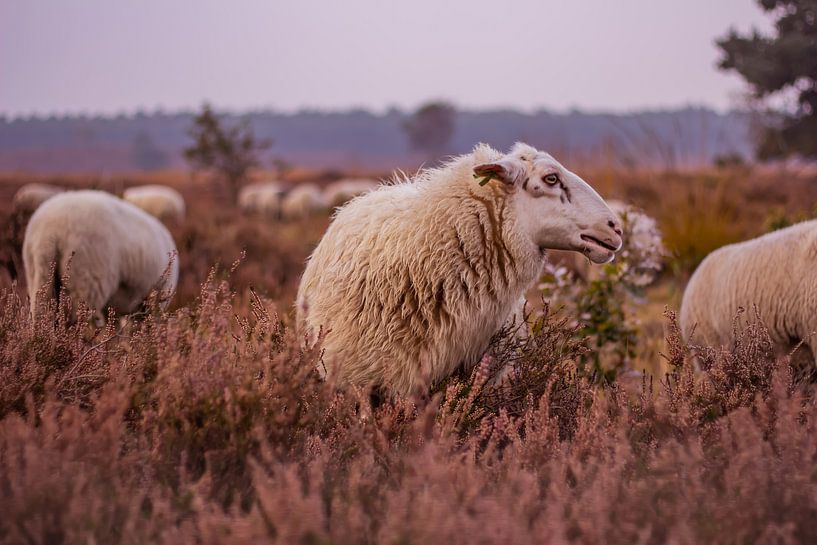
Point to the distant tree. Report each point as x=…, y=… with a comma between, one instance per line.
x=228, y=152
x=786, y=61
x=431, y=127
x=281, y=166
x=145, y=154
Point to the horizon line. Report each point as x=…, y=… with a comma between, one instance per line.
x=140, y=111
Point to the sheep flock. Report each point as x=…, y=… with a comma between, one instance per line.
x=413, y=277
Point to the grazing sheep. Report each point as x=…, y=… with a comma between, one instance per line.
x=29, y=197
x=775, y=272
x=114, y=252
x=302, y=201
x=343, y=191
x=413, y=279
x=263, y=198
x=159, y=201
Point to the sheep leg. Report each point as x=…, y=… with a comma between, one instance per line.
x=39, y=263
x=88, y=281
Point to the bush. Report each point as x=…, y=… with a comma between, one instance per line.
x=600, y=304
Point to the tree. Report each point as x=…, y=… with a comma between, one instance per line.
x=229, y=152
x=145, y=154
x=775, y=65
x=431, y=127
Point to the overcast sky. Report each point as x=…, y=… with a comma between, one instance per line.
x=107, y=56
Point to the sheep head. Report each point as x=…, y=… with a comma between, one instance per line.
x=555, y=207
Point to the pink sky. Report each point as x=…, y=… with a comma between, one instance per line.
x=98, y=56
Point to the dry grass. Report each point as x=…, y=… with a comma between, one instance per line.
x=208, y=424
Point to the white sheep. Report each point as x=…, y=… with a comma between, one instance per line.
x=774, y=272
x=263, y=198
x=29, y=197
x=340, y=192
x=114, y=253
x=160, y=201
x=413, y=279
x=302, y=201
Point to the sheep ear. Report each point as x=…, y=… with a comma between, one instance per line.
x=509, y=171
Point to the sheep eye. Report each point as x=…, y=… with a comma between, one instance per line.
x=551, y=179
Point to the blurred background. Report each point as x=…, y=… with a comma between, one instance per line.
x=97, y=87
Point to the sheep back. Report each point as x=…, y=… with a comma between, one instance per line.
x=160, y=201
x=340, y=192
x=774, y=273
x=302, y=201
x=113, y=252
x=30, y=196
x=413, y=279
x=262, y=198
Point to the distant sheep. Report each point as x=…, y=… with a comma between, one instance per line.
x=412, y=280
x=263, y=198
x=29, y=197
x=302, y=201
x=160, y=201
x=775, y=272
x=343, y=191
x=115, y=253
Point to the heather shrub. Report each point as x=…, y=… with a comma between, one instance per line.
x=68, y=476
x=734, y=375
x=52, y=353
x=210, y=424
x=211, y=386
x=520, y=372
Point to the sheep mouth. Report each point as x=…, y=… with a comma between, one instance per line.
x=597, y=242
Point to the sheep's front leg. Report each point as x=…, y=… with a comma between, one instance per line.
x=517, y=321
